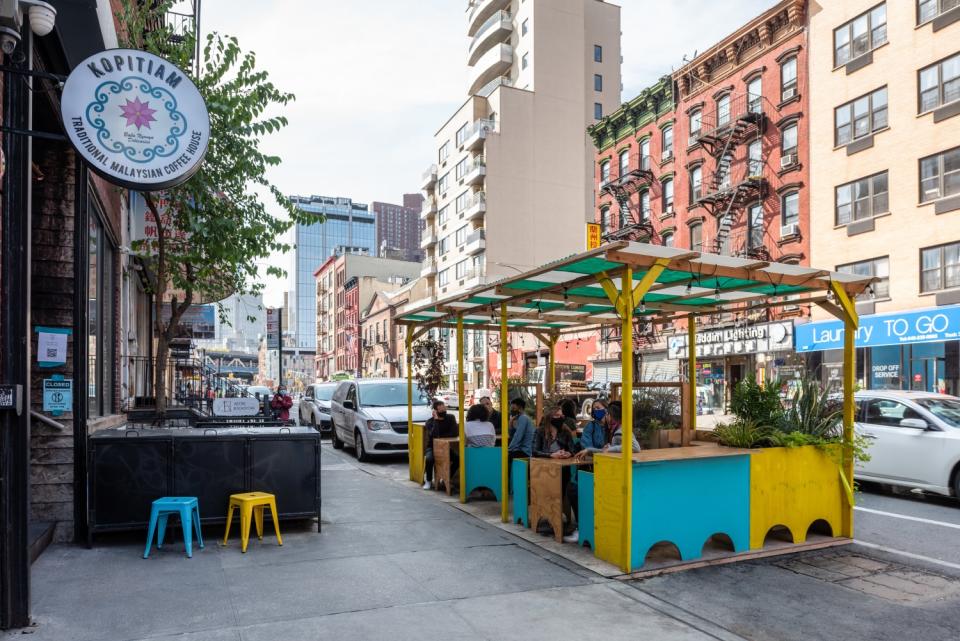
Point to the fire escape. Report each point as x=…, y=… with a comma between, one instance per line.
x=741, y=122
x=622, y=188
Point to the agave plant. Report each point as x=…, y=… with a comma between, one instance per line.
x=813, y=412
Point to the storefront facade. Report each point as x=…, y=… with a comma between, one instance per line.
x=913, y=350
x=728, y=355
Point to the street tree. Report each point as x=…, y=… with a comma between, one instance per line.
x=214, y=228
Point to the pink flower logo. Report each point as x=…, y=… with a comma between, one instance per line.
x=138, y=113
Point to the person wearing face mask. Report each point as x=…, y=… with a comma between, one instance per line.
x=595, y=432
x=521, y=430
x=281, y=404
x=554, y=439
x=441, y=424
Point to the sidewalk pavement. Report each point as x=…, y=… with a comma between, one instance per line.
x=391, y=563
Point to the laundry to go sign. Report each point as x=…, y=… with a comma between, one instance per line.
x=57, y=395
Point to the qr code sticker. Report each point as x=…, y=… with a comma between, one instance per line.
x=51, y=352
x=6, y=397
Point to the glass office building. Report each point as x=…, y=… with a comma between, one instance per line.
x=348, y=227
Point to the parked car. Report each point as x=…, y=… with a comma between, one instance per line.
x=315, y=406
x=914, y=439
x=449, y=397
x=371, y=415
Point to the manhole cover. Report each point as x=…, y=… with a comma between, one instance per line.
x=890, y=581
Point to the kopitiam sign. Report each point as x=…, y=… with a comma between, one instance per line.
x=136, y=119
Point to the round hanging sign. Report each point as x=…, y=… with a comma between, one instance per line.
x=137, y=119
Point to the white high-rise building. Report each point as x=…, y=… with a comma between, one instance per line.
x=512, y=182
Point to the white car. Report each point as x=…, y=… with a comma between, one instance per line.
x=370, y=415
x=315, y=406
x=914, y=439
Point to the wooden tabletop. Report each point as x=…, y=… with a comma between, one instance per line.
x=700, y=449
x=560, y=462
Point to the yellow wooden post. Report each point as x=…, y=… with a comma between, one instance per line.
x=552, y=371
x=691, y=377
x=626, y=364
x=850, y=323
x=460, y=397
x=409, y=343
x=504, y=419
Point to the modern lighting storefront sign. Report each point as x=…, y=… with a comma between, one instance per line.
x=136, y=119
x=730, y=341
x=900, y=328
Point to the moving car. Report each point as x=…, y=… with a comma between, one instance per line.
x=914, y=439
x=371, y=415
x=315, y=406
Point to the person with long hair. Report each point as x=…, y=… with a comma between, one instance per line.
x=478, y=429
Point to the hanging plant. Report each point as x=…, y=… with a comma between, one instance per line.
x=429, y=358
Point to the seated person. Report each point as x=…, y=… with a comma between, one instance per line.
x=553, y=439
x=595, y=432
x=614, y=433
x=478, y=430
x=520, y=431
x=493, y=415
x=440, y=425
x=569, y=409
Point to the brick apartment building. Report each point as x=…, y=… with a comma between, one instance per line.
x=714, y=158
x=398, y=228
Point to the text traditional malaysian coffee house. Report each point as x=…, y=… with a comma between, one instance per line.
x=911, y=350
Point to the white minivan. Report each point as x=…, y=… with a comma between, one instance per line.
x=370, y=415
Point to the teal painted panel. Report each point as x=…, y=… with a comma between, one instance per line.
x=687, y=501
x=483, y=469
x=585, y=508
x=521, y=495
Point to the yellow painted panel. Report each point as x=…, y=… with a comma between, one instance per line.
x=793, y=487
x=608, y=491
x=415, y=445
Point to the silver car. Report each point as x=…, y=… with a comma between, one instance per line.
x=371, y=415
x=315, y=406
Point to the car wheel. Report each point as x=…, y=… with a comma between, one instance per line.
x=360, y=450
x=956, y=483
x=335, y=440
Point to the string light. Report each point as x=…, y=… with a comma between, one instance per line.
x=643, y=305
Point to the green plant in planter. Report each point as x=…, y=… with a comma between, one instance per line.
x=813, y=412
x=751, y=401
x=745, y=433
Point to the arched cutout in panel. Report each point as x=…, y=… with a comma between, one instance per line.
x=820, y=527
x=718, y=543
x=662, y=551
x=778, y=534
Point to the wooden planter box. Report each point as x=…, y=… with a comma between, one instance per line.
x=665, y=438
x=793, y=487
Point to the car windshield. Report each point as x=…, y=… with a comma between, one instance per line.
x=324, y=392
x=946, y=409
x=389, y=395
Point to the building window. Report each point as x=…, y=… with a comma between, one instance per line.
x=861, y=35
x=444, y=151
x=604, y=172
x=790, y=208
x=597, y=53
x=860, y=117
x=696, y=183
x=940, y=83
x=461, y=268
x=101, y=334
x=667, y=142
x=940, y=267
x=755, y=158
x=940, y=175
x=668, y=195
x=604, y=218
x=755, y=95
x=862, y=199
x=668, y=240
x=463, y=201
x=442, y=184
x=644, y=205
x=597, y=82
x=443, y=278
x=461, y=168
x=696, y=237
x=462, y=134
x=461, y=237
x=788, y=139
x=723, y=171
x=723, y=110
x=443, y=246
x=524, y=27
x=645, y=154
x=524, y=61
x=788, y=78
x=754, y=226
x=875, y=268
x=624, y=162
x=443, y=215
x=696, y=123
x=927, y=10
x=597, y=110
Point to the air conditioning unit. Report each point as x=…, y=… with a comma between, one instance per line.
x=788, y=160
x=793, y=229
x=789, y=93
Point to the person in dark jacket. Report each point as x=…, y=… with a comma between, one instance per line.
x=494, y=415
x=441, y=425
x=569, y=409
x=554, y=439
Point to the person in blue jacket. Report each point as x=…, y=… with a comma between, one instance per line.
x=521, y=430
x=595, y=432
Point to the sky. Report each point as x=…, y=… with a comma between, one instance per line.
x=375, y=79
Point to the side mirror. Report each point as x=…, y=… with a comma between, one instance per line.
x=348, y=405
x=915, y=423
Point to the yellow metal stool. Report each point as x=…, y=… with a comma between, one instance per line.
x=252, y=504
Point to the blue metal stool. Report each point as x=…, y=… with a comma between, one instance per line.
x=189, y=510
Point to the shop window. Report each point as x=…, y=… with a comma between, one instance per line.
x=862, y=199
x=859, y=36
x=860, y=117
x=940, y=83
x=940, y=175
x=876, y=267
x=940, y=267
x=100, y=321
